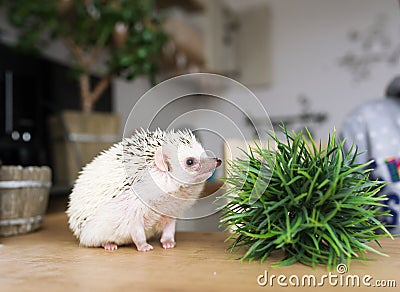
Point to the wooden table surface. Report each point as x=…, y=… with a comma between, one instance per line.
x=50, y=260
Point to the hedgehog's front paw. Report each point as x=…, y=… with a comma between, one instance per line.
x=168, y=243
x=110, y=246
x=145, y=247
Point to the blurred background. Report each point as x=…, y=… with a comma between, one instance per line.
x=309, y=62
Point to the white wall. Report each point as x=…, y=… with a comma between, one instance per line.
x=308, y=39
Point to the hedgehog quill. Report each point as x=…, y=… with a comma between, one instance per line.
x=135, y=190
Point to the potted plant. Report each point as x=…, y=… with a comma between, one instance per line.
x=313, y=203
x=111, y=38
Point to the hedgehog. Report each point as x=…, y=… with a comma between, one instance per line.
x=137, y=189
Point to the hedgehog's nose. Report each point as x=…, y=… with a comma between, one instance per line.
x=219, y=161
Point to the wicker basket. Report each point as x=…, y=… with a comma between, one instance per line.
x=24, y=193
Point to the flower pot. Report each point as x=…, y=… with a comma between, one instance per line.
x=24, y=193
x=76, y=138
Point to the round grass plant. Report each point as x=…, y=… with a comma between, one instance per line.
x=312, y=202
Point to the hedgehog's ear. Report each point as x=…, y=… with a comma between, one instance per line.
x=161, y=160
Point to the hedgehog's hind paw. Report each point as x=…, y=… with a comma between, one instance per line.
x=110, y=246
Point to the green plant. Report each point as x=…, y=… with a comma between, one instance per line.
x=312, y=202
x=114, y=37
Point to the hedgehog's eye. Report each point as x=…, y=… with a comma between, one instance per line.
x=190, y=161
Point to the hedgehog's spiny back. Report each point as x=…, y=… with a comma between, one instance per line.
x=144, y=143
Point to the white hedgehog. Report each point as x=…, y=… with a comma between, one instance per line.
x=137, y=188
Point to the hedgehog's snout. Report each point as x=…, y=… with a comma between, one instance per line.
x=209, y=164
x=211, y=160
x=219, y=162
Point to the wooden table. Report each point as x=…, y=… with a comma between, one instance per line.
x=50, y=260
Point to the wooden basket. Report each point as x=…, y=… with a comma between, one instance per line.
x=77, y=138
x=24, y=193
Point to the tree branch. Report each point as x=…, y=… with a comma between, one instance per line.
x=84, y=84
